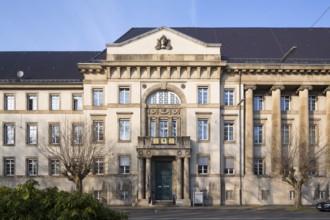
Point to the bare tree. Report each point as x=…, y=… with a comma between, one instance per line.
x=76, y=143
x=299, y=164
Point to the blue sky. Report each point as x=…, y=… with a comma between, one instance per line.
x=70, y=25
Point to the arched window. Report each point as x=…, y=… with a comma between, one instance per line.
x=163, y=98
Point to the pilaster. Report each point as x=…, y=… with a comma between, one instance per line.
x=186, y=178
x=141, y=180
x=148, y=178
x=178, y=178
x=327, y=92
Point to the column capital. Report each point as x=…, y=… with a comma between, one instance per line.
x=326, y=90
x=248, y=87
x=303, y=87
x=276, y=87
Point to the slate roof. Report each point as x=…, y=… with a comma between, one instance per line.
x=259, y=44
x=43, y=66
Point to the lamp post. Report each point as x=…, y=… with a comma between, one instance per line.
x=240, y=137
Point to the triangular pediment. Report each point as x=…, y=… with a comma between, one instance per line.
x=163, y=40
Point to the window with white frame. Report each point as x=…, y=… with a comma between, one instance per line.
x=292, y=194
x=258, y=134
x=312, y=103
x=9, y=133
x=124, y=95
x=9, y=102
x=9, y=166
x=124, y=164
x=285, y=103
x=202, y=95
x=98, y=165
x=98, y=131
x=174, y=128
x=312, y=135
x=203, y=165
x=31, y=102
x=229, y=97
x=153, y=128
x=163, y=128
x=98, y=194
x=265, y=194
x=203, y=129
x=259, y=167
x=163, y=98
x=229, y=165
x=322, y=194
x=285, y=134
x=257, y=103
x=124, y=130
x=229, y=131
x=98, y=97
x=32, y=167
x=124, y=194
x=32, y=133
x=54, y=132
x=54, y=167
x=77, y=102
x=229, y=194
x=77, y=133
x=54, y=102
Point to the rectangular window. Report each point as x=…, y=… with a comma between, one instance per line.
x=203, y=129
x=54, y=132
x=265, y=194
x=202, y=95
x=32, y=134
x=292, y=194
x=312, y=135
x=229, y=97
x=97, y=97
x=124, y=95
x=77, y=102
x=98, y=165
x=54, y=102
x=285, y=134
x=174, y=128
x=203, y=165
x=98, y=195
x=77, y=133
x=54, y=167
x=285, y=103
x=163, y=128
x=9, y=102
x=9, y=165
x=229, y=131
x=124, y=195
x=229, y=165
x=259, y=167
x=32, y=167
x=153, y=128
x=31, y=102
x=322, y=194
x=124, y=130
x=312, y=103
x=9, y=134
x=229, y=194
x=124, y=164
x=257, y=103
x=98, y=130
x=258, y=134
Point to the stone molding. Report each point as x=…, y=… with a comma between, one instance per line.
x=303, y=87
x=326, y=90
x=248, y=87
x=274, y=88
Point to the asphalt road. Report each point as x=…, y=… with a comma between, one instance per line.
x=220, y=213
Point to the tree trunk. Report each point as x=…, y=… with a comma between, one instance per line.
x=79, y=185
x=298, y=198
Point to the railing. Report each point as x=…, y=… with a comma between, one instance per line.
x=168, y=142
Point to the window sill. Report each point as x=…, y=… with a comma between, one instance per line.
x=203, y=141
x=124, y=141
x=9, y=145
x=229, y=142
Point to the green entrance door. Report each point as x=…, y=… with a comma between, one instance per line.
x=163, y=180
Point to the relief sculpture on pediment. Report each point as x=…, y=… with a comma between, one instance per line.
x=164, y=111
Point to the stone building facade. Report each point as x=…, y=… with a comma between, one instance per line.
x=189, y=109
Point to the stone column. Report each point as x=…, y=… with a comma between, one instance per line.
x=141, y=180
x=249, y=129
x=303, y=130
x=186, y=178
x=327, y=92
x=178, y=178
x=148, y=177
x=276, y=129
